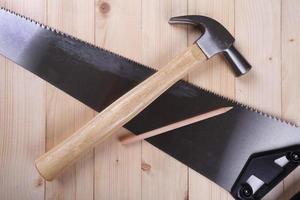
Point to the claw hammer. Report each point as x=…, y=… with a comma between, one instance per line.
x=215, y=39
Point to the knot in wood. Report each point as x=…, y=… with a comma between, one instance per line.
x=104, y=7
x=146, y=167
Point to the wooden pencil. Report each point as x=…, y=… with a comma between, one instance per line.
x=135, y=138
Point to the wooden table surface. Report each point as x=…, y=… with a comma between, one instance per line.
x=34, y=116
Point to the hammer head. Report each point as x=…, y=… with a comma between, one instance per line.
x=215, y=39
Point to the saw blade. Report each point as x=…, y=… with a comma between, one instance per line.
x=217, y=148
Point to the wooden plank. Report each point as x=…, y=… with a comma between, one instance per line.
x=118, y=27
x=60, y=119
x=202, y=188
x=22, y=132
x=291, y=61
x=22, y=121
x=162, y=176
x=118, y=168
x=291, y=78
x=217, y=76
x=258, y=30
x=199, y=186
x=161, y=41
x=65, y=114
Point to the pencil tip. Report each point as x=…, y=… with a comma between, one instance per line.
x=228, y=108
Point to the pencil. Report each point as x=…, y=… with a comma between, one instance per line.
x=135, y=138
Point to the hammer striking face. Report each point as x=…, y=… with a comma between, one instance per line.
x=215, y=39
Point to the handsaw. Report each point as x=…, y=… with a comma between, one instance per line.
x=244, y=151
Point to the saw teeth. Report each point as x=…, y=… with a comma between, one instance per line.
x=148, y=67
x=73, y=37
x=245, y=106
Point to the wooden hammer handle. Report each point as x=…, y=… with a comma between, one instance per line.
x=117, y=114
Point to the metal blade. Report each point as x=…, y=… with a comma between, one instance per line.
x=218, y=148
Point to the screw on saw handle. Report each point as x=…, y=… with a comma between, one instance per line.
x=117, y=114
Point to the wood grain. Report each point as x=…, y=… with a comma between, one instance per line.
x=65, y=114
x=118, y=169
x=22, y=121
x=290, y=61
x=161, y=42
x=162, y=176
x=21, y=138
x=258, y=31
x=290, y=79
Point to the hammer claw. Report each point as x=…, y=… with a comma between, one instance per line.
x=215, y=39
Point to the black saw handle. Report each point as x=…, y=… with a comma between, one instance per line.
x=263, y=171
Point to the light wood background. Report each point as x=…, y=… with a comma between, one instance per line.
x=34, y=115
